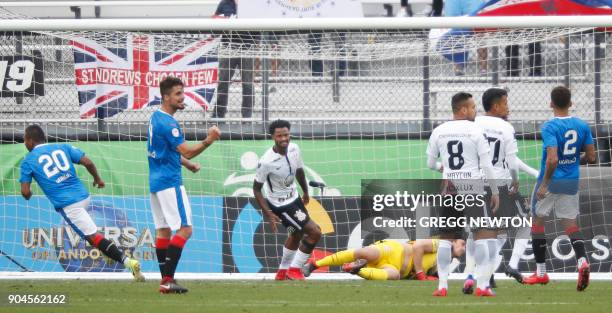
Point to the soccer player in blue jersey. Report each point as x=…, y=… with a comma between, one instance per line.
x=167, y=151
x=52, y=166
x=564, y=138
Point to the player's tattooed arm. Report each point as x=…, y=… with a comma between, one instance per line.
x=93, y=171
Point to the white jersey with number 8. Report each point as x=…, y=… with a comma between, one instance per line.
x=460, y=144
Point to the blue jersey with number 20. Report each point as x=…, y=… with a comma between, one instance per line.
x=52, y=166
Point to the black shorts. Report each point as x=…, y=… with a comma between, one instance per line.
x=475, y=211
x=450, y=232
x=511, y=205
x=293, y=215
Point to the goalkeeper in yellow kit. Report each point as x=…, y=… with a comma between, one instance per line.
x=388, y=259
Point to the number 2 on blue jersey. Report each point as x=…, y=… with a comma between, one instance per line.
x=571, y=137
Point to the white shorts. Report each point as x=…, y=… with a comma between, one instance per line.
x=77, y=217
x=170, y=210
x=565, y=206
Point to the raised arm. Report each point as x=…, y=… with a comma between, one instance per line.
x=191, y=151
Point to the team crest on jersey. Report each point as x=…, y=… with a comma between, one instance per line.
x=175, y=132
x=300, y=215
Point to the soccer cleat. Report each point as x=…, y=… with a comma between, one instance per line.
x=535, y=279
x=487, y=292
x=440, y=293
x=468, y=286
x=169, y=285
x=294, y=273
x=134, y=266
x=583, y=276
x=310, y=267
x=354, y=267
x=492, y=282
x=510, y=272
x=281, y=274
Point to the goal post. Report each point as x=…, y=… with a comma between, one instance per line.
x=362, y=95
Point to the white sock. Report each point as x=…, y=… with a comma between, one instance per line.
x=481, y=256
x=444, y=258
x=300, y=259
x=287, y=258
x=541, y=269
x=469, y=256
x=520, y=245
x=581, y=261
x=494, y=256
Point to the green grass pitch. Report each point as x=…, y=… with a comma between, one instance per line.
x=309, y=296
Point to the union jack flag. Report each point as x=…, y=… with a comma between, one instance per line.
x=127, y=76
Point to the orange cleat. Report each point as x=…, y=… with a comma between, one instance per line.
x=281, y=274
x=440, y=293
x=294, y=273
x=488, y=292
x=535, y=279
x=583, y=276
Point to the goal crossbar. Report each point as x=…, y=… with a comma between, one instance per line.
x=193, y=24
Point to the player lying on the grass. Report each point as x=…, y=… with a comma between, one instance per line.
x=388, y=259
x=52, y=167
x=564, y=138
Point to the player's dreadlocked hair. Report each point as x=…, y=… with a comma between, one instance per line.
x=278, y=124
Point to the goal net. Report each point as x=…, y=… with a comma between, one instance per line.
x=362, y=102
